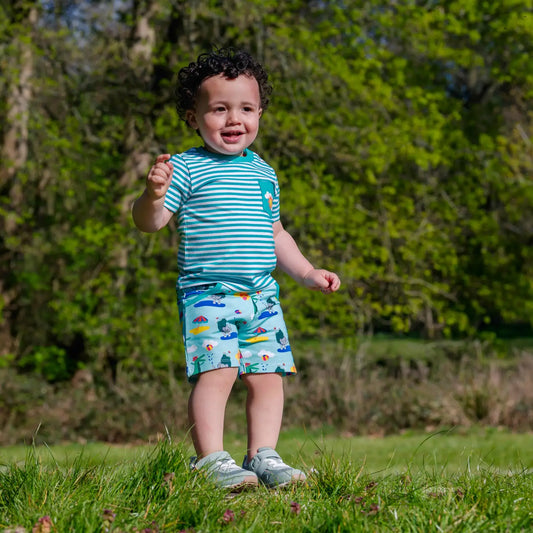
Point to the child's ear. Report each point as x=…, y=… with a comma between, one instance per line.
x=190, y=117
x=260, y=112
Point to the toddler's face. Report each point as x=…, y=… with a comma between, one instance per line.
x=227, y=113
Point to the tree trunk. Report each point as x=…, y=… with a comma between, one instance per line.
x=15, y=141
x=141, y=50
x=14, y=155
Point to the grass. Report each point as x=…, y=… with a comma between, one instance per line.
x=478, y=480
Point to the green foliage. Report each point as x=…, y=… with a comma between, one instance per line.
x=51, y=362
x=381, y=386
x=401, y=136
x=403, y=178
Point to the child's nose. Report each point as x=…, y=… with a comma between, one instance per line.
x=233, y=117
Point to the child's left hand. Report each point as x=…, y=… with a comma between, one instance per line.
x=323, y=280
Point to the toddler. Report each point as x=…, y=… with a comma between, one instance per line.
x=227, y=203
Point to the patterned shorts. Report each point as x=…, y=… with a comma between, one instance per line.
x=223, y=328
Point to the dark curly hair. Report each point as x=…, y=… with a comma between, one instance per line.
x=227, y=61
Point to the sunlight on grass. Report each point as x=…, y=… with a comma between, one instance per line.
x=450, y=450
x=444, y=481
x=92, y=453
x=458, y=452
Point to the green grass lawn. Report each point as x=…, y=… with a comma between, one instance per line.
x=450, y=450
x=476, y=480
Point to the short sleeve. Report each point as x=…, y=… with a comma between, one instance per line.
x=275, y=203
x=180, y=186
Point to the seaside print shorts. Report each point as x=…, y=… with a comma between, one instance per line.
x=223, y=328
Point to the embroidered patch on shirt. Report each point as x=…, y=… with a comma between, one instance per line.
x=267, y=195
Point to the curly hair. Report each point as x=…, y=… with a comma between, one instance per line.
x=227, y=61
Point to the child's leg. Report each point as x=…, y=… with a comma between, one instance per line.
x=207, y=406
x=264, y=410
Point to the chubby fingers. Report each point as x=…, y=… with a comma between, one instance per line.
x=162, y=169
x=163, y=158
x=323, y=280
x=159, y=177
x=162, y=162
x=333, y=281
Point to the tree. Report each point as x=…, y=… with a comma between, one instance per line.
x=400, y=132
x=20, y=21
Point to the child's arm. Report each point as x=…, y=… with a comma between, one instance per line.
x=149, y=212
x=293, y=262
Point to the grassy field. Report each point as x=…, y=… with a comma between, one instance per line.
x=476, y=480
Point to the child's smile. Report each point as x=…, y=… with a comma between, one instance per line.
x=232, y=136
x=227, y=113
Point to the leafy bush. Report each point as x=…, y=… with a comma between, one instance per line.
x=355, y=392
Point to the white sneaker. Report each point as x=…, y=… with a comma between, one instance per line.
x=221, y=469
x=271, y=470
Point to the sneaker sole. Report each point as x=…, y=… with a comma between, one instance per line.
x=295, y=480
x=246, y=484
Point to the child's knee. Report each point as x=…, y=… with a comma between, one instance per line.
x=269, y=381
x=217, y=377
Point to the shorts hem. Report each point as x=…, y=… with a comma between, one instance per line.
x=283, y=373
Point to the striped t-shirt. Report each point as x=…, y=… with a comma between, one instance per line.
x=225, y=206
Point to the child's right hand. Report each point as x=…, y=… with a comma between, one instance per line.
x=159, y=177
